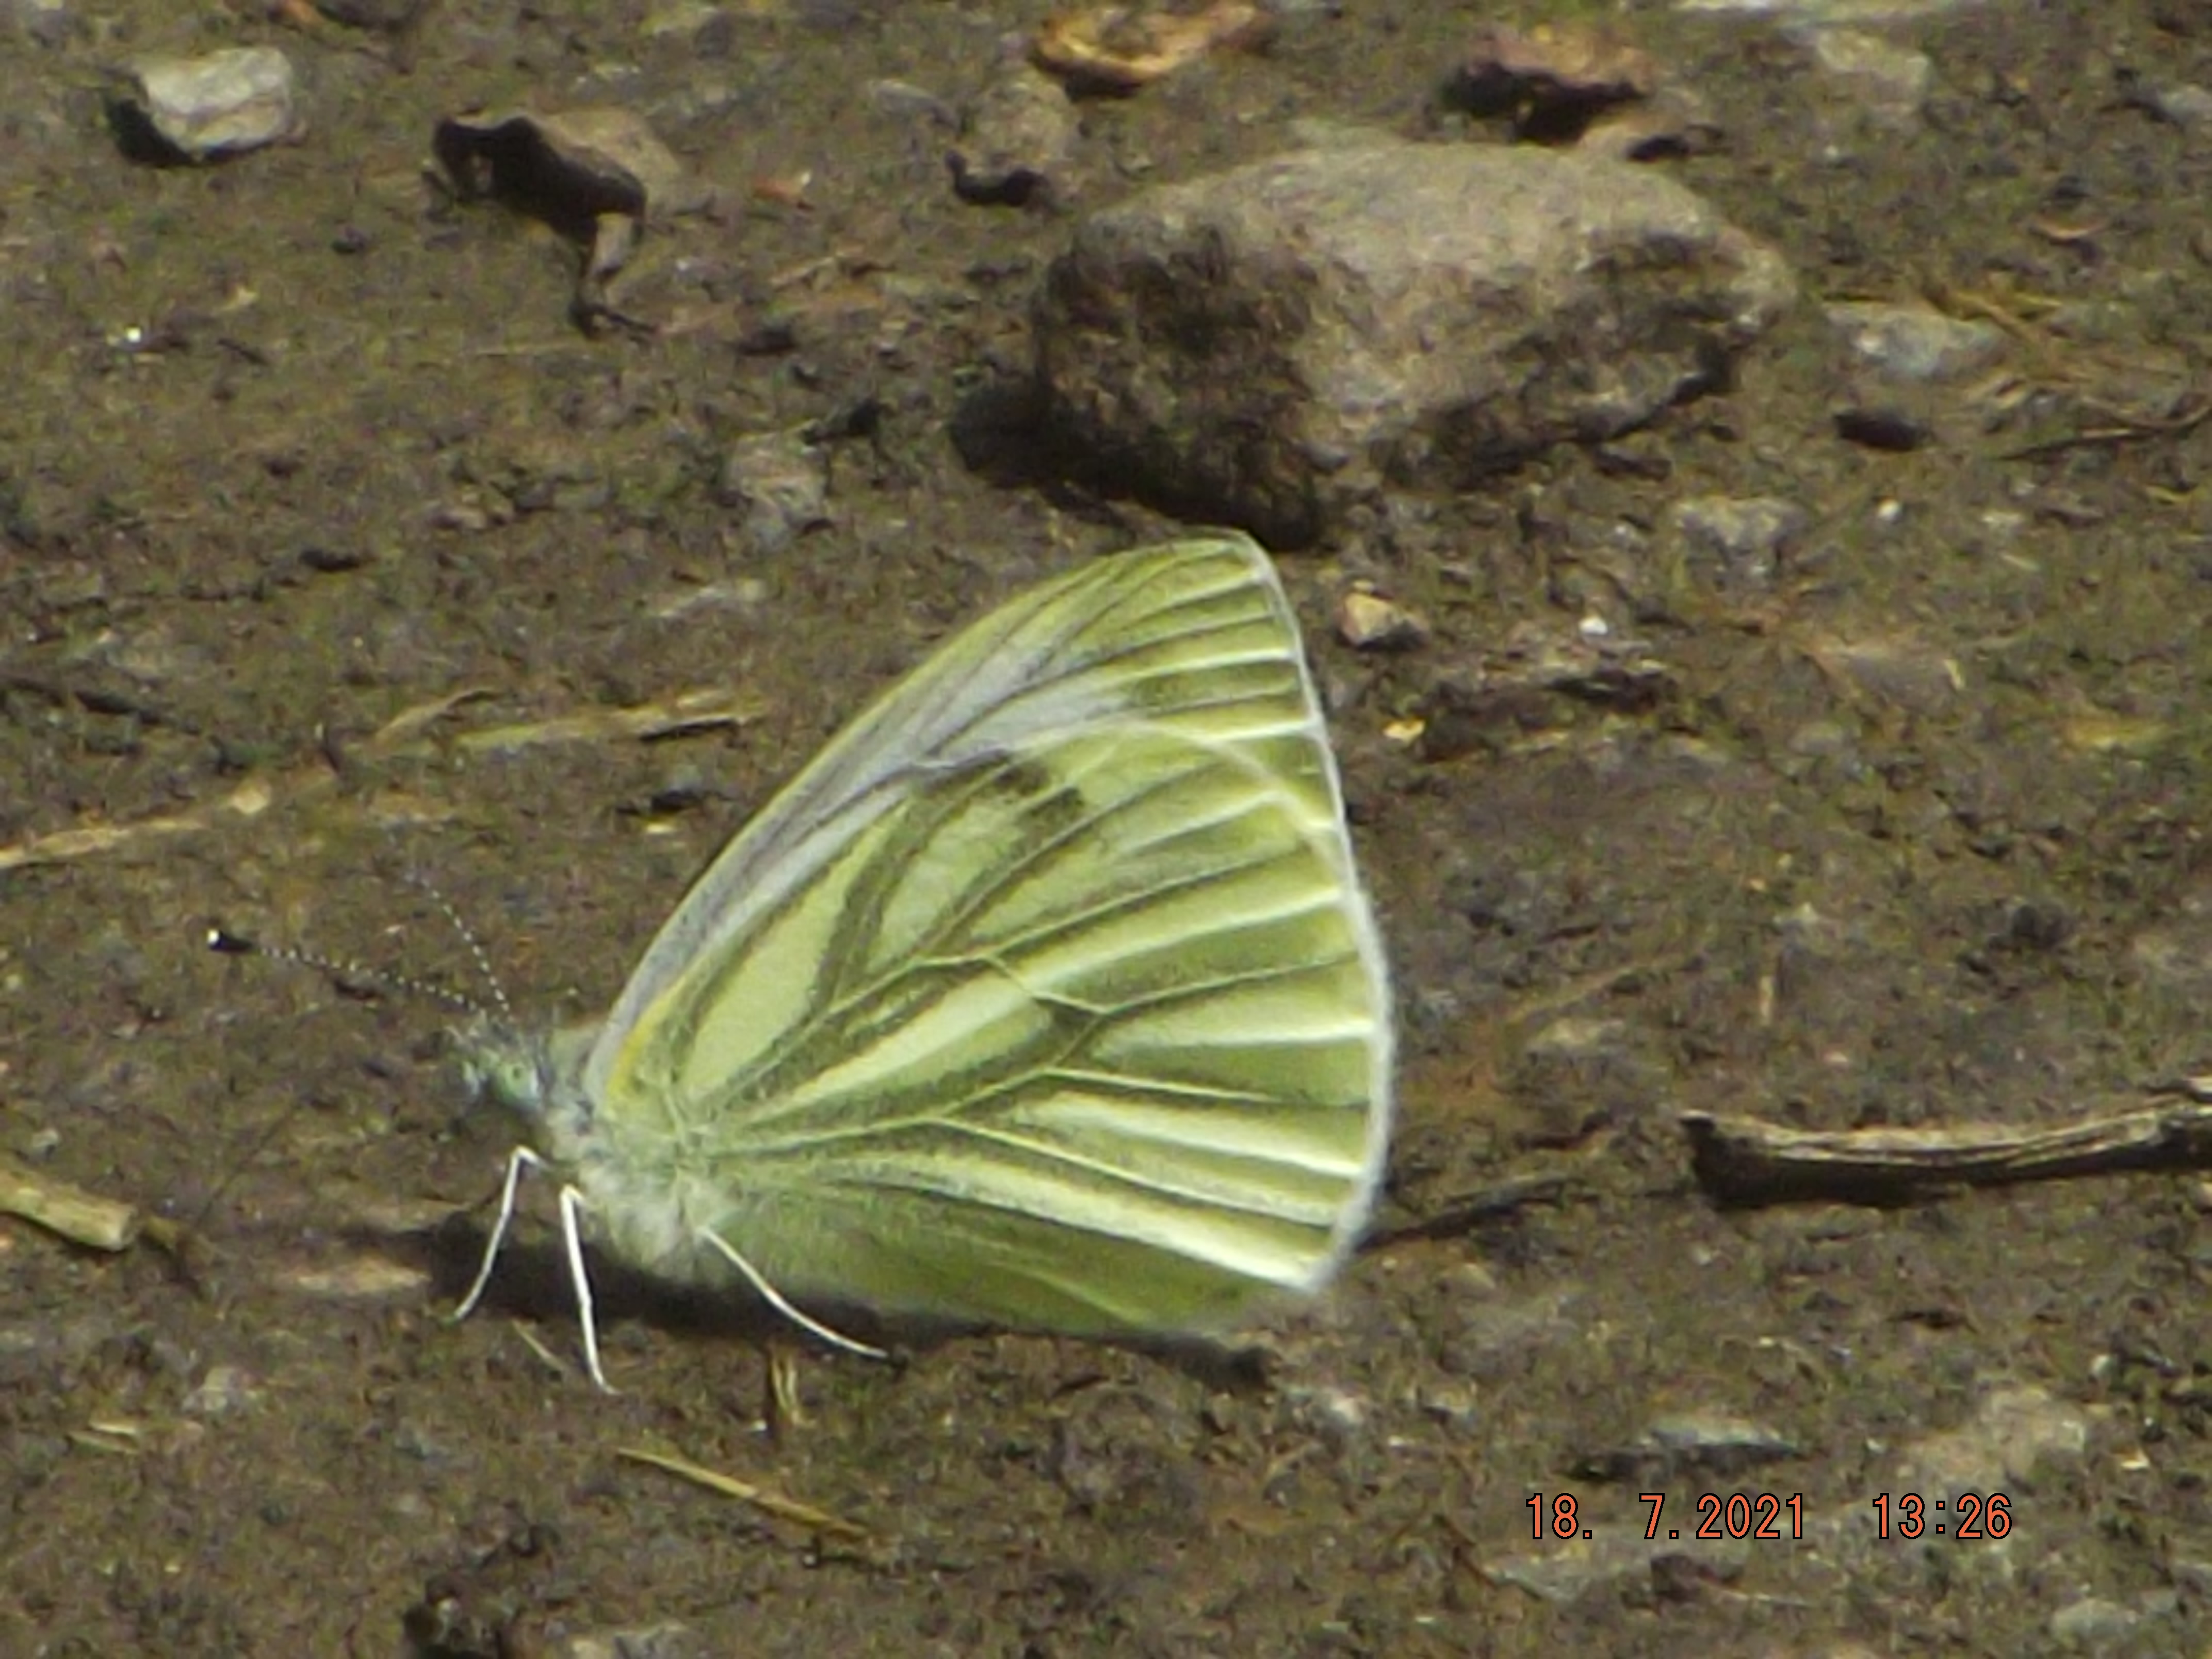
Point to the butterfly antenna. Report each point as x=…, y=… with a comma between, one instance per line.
x=459, y=924
x=223, y=942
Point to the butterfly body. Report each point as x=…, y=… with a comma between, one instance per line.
x=1047, y=997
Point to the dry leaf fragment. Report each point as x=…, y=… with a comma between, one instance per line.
x=1116, y=50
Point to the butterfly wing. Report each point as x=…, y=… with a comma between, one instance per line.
x=1047, y=995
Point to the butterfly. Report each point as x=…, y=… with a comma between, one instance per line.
x=1046, y=998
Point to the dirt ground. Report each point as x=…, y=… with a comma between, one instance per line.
x=1910, y=835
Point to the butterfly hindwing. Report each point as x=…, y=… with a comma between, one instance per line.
x=1107, y=996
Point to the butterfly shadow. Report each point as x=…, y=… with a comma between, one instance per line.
x=531, y=1283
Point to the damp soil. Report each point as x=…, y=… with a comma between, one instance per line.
x=1912, y=837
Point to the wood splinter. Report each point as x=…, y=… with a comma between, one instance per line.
x=1749, y=1161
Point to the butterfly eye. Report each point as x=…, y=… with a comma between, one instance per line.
x=507, y=1077
x=518, y=1085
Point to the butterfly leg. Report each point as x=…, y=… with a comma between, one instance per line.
x=774, y=1298
x=572, y=1235
x=521, y=1158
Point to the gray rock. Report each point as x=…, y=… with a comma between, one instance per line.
x=1713, y=1444
x=1737, y=541
x=380, y=16
x=2015, y=1427
x=219, y=105
x=1832, y=11
x=49, y=22
x=670, y=19
x=2094, y=1622
x=2185, y=105
x=782, y=482
x=1618, y=1556
x=1495, y=1338
x=1889, y=81
x=904, y=100
x=1915, y=343
x=1273, y=344
x=1579, y=1075
x=666, y=1640
x=1018, y=141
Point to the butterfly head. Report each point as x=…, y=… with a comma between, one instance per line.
x=512, y=1069
x=532, y=1076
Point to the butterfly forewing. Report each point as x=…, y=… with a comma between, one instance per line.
x=1178, y=628
x=1054, y=999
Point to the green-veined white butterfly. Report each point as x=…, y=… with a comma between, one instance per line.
x=1045, y=998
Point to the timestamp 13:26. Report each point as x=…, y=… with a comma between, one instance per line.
x=1780, y=1515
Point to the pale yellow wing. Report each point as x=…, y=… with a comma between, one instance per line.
x=1048, y=995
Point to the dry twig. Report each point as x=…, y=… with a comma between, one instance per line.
x=1748, y=1161
x=771, y=1503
